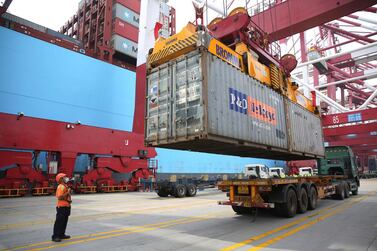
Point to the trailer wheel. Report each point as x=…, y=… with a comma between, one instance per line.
x=313, y=198
x=356, y=191
x=303, y=202
x=180, y=191
x=346, y=190
x=289, y=208
x=190, y=190
x=240, y=210
x=162, y=193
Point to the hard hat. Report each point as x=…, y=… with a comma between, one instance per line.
x=59, y=176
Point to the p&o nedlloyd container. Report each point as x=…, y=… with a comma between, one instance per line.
x=199, y=102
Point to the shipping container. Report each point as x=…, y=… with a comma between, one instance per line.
x=124, y=45
x=126, y=15
x=92, y=92
x=126, y=30
x=306, y=130
x=198, y=102
x=105, y=26
x=131, y=4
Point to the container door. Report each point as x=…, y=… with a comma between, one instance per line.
x=187, y=108
x=158, y=104
x=306, y=134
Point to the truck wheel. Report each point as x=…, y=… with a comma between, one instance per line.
x=289, y=208
x=278, y=209
x=180, y=191
x=162, y=193
x=339, y=192
x=190, y=190
x=303, y=202
x=346, y=190
x=355, y=192
x=240, y=210
x=313, y=198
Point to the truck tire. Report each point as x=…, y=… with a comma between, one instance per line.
x=355, y=192
x=278, y=209
x=346, y=190
x=302, y=205
x=191, y=190
x=339, y=192
x=180, y=191
x=240, y=210
x=162, y=193
x=313, y=198
x=289, y=208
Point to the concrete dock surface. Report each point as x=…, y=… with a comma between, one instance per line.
x=144, y=221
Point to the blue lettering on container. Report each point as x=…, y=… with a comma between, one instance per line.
x=237, y=101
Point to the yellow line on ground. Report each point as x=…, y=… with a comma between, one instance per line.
x=121, y=230
x=131, y=230
x=278, y=229
x=105, y=215
x=304, y=226
x=141, y=230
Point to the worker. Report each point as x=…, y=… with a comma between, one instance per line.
x=63, y=208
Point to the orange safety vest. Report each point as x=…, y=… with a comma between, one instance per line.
x=62, y=189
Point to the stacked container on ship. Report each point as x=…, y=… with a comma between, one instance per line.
x=109, y=28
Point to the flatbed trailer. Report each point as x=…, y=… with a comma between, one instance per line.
x=183, y=187
x=287, y=196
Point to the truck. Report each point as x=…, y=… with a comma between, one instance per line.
x=262, y=171
x=183, y=186
x=337, y=178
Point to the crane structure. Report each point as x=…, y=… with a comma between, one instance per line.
x=338, y=63
x=350, y=120
x=338, y=60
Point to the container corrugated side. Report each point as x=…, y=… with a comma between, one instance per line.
x=124, y=45
x=126, y=14
x=198, y=102
x=305, y=130
x=131, y=4
x=126, y=30
x=239, y=107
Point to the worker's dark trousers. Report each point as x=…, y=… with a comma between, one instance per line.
x=62, y=214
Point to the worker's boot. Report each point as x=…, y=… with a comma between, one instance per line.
x=56, y=239
x=65, y=237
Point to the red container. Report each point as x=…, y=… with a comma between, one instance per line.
x=126, y=30
x=131, y=4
